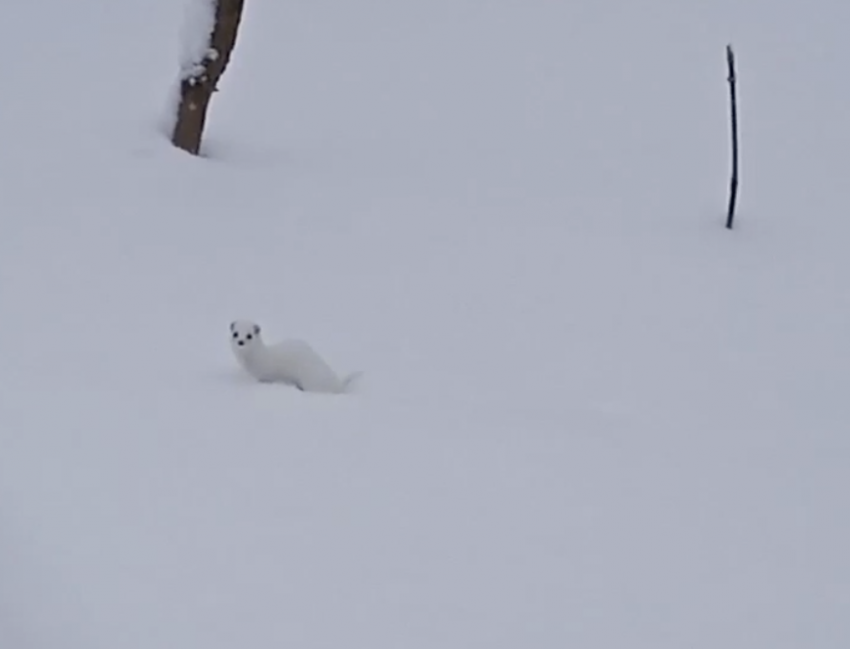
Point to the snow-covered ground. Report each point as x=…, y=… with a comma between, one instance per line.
x=590, y=416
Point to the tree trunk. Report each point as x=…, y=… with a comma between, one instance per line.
x=199, y=83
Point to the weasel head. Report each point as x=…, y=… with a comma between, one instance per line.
x=244, y=336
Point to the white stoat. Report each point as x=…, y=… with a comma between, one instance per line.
x=292, y=362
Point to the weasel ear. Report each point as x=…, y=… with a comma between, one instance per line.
x=233, y=326
x=256, y=330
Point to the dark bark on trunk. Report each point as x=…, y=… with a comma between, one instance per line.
x=198, y=85
x=733, y=116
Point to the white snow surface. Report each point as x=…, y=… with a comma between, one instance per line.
x=196, y=28
x=590, y=416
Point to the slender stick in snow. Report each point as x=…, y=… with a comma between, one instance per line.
x=733, y=183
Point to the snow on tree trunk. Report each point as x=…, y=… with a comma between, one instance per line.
x=207, y=41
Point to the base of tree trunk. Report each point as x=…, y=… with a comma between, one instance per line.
x=191, y=118
x=198, y=85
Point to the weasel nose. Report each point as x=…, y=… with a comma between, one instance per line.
x=241, y=342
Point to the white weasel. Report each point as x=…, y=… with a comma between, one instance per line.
x=292, y=362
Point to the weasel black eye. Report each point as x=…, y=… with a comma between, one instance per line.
x=235, y=335
x=249, y=336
